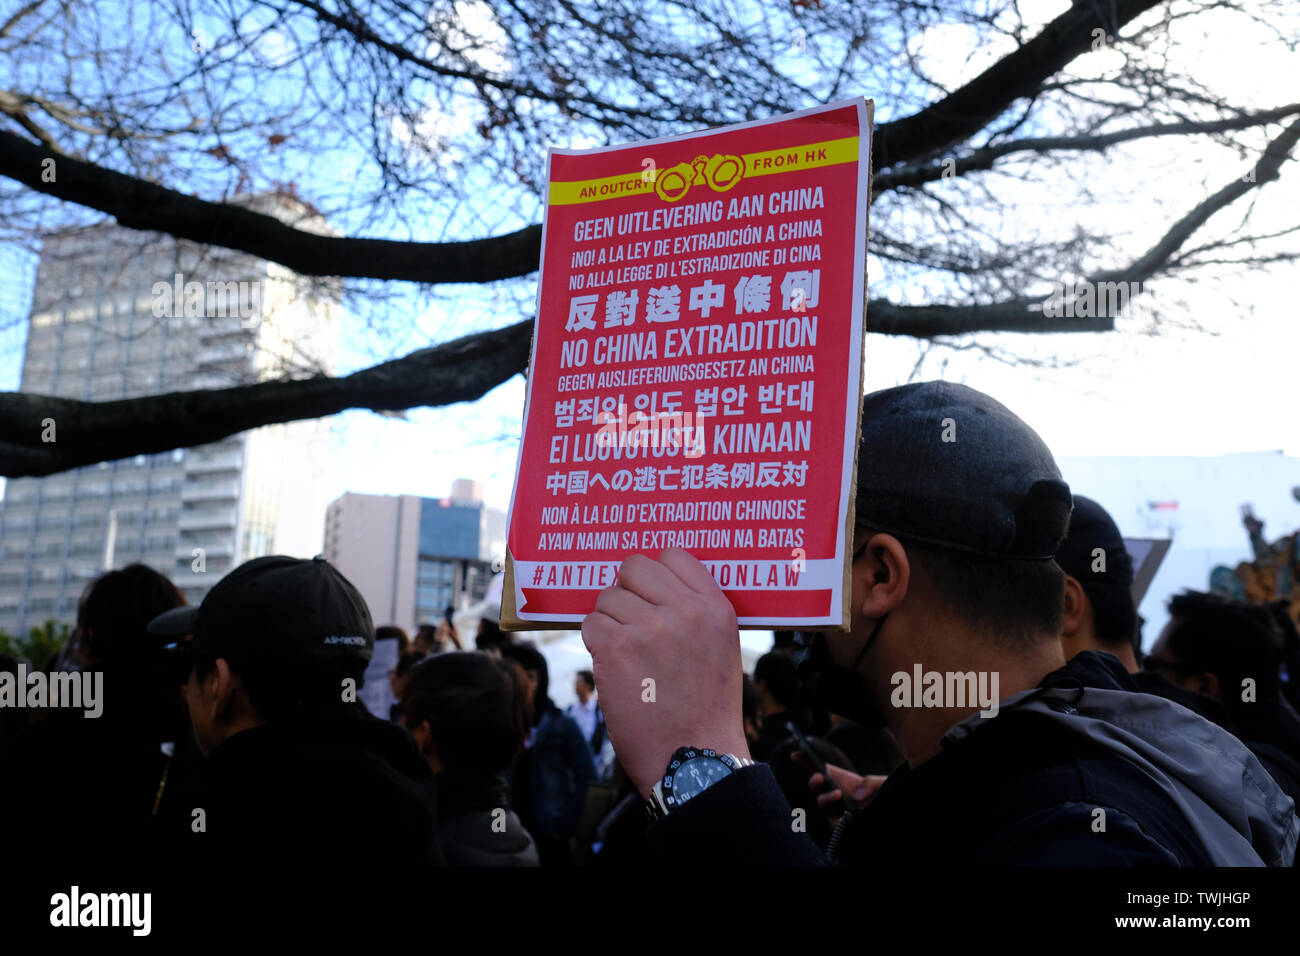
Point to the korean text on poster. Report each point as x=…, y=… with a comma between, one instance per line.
x=697, y=368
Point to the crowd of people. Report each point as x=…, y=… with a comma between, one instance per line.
x=231, y=732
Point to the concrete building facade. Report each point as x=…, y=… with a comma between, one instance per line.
x=411, y=557
x=118, y=314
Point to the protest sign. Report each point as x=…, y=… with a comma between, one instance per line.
x=376, y=688
x=696, y=376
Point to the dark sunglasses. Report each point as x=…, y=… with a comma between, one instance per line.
x=178, y=662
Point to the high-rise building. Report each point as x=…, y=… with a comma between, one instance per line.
x=118, y=314
x=410, y=557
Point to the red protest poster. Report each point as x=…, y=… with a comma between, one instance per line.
x=696, y=376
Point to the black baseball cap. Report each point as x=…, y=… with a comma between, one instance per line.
x=946, y=465
x=1092, y=527
x=291, y=607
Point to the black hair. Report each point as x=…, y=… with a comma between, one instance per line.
x=283, y=686
x=748, y=699
x=784, y=641
x=531, y=659
x=1281, y=611
x=490, y=636
x=406, y=662
x=589, y=677
x=112, y=620
x=1230, y=639
x=117, y=609
x=389, y=631
x=1114, y=614
x=779, y=675
x=477, y=708
x=429, y=633
x=1019, y=600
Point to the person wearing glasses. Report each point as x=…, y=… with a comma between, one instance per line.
x=1223, y=657
x=297, y=775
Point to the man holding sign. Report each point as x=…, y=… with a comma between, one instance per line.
x=694, y=394
x=960, y=509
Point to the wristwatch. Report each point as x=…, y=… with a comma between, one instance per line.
x=691, y=771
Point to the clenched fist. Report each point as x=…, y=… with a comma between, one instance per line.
x=666, y=655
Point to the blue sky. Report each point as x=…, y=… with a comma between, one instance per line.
x=1218, y=378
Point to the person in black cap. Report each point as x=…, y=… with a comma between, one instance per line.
x=1099, y=611
x=1014, y=758
x=1100, y=615
x=297, y=778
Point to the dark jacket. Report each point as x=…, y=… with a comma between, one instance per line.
x=83, y=790
x=349, y=791
x=476, y=826
x=1280, y=764
x=1274, y=723
x=772, y=733
x=620, y=842
x=1082, y=770
x=559, y=766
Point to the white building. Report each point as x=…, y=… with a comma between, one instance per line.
x=1195, y=502
x=117, y=314
x=412, y=558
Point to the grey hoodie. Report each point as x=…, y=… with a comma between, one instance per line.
x=1229, y=801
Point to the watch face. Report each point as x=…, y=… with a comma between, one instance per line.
x=694, y=773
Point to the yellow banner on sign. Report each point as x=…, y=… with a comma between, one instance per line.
x=718, y=172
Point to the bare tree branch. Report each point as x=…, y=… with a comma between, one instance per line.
x=1266, y=170
x=356, y=26
x=86, y=432
x=19, y=14
x=968, y=110
x=142, y=205
x=983, y=158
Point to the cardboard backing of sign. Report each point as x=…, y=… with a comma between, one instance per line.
x=698, y=174
x=1147, y=555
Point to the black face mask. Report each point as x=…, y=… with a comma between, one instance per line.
x=841, y=690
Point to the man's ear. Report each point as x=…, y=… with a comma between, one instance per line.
x=423, y=735
x=1208, y=684
x=1075, y=607
x=888, y=574
x=222, y=683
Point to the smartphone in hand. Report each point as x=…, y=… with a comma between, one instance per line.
x=818, y=765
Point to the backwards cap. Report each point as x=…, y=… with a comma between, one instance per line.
x=946, y=465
